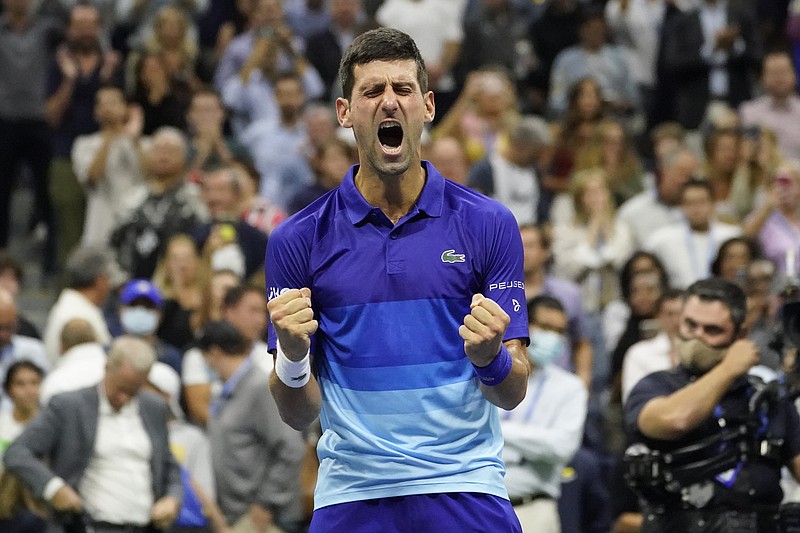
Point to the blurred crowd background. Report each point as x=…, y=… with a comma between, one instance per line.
x=641, y=145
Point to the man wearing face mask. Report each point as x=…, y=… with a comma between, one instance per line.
x=704, y=397
x=140, y=314
x=544, y=431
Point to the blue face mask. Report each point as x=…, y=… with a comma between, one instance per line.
x=139, y=321
x=545, y=346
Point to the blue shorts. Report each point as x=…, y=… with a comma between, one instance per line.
x=459, y=512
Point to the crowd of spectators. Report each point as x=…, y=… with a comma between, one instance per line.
x=640, y=144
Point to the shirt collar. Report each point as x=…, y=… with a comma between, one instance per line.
x=430, y=200
x=105, y=408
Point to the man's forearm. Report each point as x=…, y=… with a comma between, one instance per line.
x=508, y=393
x=298, y=406
x=671, y=417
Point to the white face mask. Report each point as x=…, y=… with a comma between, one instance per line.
x=139, y=321
x=544, y=347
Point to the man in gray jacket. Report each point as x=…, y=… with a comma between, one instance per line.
x=99, y=455
x=256, y=456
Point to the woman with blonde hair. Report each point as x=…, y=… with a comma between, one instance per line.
x=594, y=246
x=172, y=43
x=611, y=148
x=483, y=110
x=759, y=158
x=585, y=110
x=182, y=278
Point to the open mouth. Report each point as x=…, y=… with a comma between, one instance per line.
x=390, y=135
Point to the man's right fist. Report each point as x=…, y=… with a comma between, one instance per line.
x=293, y=319
x=741, y=356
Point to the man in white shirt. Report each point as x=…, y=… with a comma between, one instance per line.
x=658, y=353
x=510, y=174
x=650, y=210
x=100, y=455
x=245, y=307
x=15, y=347
x=688, y=248
x=545, y=430
x=88, y=278
x=82, y=362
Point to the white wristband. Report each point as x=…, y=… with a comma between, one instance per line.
x=294, y=374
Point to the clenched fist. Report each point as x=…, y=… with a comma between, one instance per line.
x=483, y=330
x=293, y=319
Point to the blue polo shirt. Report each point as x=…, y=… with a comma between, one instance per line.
x=402, y=412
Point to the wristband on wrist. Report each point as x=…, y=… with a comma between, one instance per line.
x=496, y=371
x=294, y=374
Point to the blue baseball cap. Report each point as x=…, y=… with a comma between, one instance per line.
x=140, y=288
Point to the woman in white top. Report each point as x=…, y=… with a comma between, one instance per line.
x=593, y=247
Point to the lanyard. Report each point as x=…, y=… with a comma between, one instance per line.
x=227, y=388
x=700, y=271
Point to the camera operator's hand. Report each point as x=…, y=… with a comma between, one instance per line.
x=741, y=357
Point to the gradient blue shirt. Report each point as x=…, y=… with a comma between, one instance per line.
x=402, y=411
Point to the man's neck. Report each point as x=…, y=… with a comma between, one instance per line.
x=23, y=416
x=780, y=101
x=701, y=227
x=231, y=364
x=394, y=195
x=162, y=185
x=113, y=128
x=90, y=294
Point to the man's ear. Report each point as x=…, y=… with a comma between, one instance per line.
x=430, y=107
x=343, y=113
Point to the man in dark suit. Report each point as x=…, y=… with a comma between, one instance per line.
x=324, y=49
x=100, y=456
x=710, y=53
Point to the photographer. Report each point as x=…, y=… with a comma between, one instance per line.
x=261, y=56
x=704, y=413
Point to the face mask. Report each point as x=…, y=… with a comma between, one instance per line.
x=698, y=356
x=229, y=257
x=545, y=346
x=139, y=320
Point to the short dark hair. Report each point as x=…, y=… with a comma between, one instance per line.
x=667, y=295
x=206, y=90
x=544, y=301
x=223, y=335
x=544, y=230
x=234, y=295
x=380, y=44
x=721, y=290
x=16, y=368
x=697, y=183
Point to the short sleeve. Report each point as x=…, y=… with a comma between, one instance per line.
x=286, y=265
x=504, y=279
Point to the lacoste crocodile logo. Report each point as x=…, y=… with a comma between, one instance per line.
x=450, y=256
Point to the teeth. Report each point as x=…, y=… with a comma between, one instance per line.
x=388, y=125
